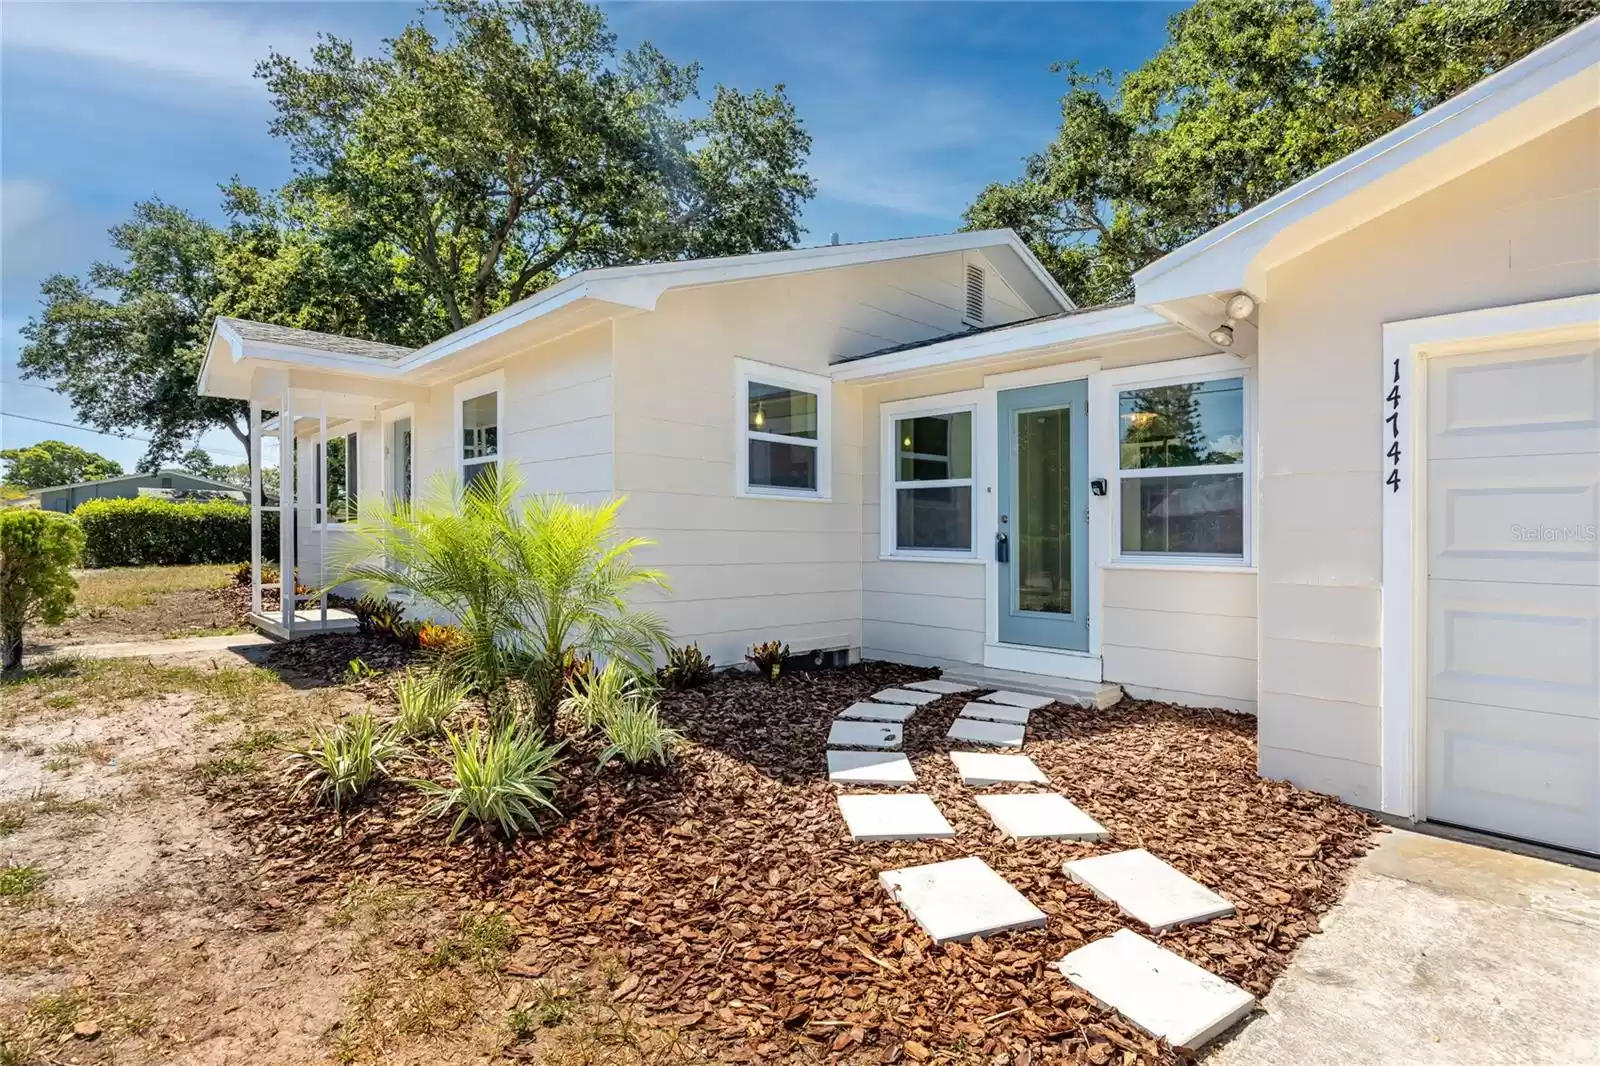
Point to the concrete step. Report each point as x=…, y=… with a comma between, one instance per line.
x=1100, y=694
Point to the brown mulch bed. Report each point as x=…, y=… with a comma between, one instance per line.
x=325, y=659
x=747, y=919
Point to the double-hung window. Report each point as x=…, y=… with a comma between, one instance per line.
x=1181, y=483
x=928, y=504
x=784, y=422
x=478, y=427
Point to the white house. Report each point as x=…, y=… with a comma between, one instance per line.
x=1368, y=516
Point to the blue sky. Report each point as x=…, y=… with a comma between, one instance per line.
x=912, y=109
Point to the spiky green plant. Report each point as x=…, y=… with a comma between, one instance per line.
x=426, y=700
x=531, y=584
x=605, y=691
x=635, y=735
x=343, y=760
x=502, y=778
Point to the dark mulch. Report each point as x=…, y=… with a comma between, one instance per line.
x=750, y=922
x=325, y=659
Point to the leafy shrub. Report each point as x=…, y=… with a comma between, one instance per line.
x=148, y=531
x=371, y=611
x=358, y=670
x=687, y=667
x=341, y=762
x=502, y=778
x=768, y=658
x=440, y=639
x=37, y=552
x=426, y=701
x=634, y=734
x=608, y=689
x=533, y=583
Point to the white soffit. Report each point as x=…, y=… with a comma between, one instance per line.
x=1543, y=90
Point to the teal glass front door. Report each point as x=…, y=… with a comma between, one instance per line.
x=1043, y=521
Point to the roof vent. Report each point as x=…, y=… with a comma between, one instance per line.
x=974, y=314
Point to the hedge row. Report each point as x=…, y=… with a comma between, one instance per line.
x=153, y=532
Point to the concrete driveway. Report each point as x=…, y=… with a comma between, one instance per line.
x=1440, y=952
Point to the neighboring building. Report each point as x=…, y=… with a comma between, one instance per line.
x=66, y=498
x=1337, y=465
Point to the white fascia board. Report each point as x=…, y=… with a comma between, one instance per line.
x=1220, y=259
x=1111, y=324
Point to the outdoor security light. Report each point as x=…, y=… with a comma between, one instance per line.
x=1222, y=336
x=1241, y=305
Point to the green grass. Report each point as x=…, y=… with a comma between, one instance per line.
x=229, y=765
x=56, y=1013
x=132, y=587
x=484, y=940
x=19, y=881
x=16, y=813
x=65, y=682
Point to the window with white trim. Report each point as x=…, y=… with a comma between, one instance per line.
x=928, y=468
x=784, y=420
x=1181, y=480
x=480, y=437
x=344, y=461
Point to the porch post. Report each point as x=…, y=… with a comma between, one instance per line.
x=288, y=516
x=322, y=486
x=255, y=507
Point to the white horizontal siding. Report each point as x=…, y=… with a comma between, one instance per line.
x=1183, y=636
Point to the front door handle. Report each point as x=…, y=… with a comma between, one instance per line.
x=1002, y=548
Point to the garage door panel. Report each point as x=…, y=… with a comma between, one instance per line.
x=1531, y=401
x=1518, y=518
x=1522, y=773
x=1527, y=646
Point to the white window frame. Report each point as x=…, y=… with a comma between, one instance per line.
x=1185, y=372
x=888, y=450
x=386, y=420
x=319, y=467
x=485, y=385
x=747, y=371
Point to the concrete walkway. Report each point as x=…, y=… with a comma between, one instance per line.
x=1440, y=952
x=246, y=646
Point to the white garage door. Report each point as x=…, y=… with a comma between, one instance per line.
x=1513, y=708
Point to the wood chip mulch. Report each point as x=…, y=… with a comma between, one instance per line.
x=747, y=920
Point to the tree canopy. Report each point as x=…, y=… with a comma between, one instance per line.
x=1246, y=98
x=436, y=182
x=54, y=462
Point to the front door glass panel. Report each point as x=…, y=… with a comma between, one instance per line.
x=1044, y=507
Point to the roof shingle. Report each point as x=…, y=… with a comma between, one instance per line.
x=267, y=333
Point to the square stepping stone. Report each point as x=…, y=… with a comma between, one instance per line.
x=1164, y=994
x=1018, y=699
x=894, y=816
x=870, y=768
x=877, y=712
x=943, y=688
x=960, y=899
x=904, y=695
x=1148, y=890
x=995, y=734
x=978, y=768
x=996, y=712
x=1041, y=815
x=863, y=735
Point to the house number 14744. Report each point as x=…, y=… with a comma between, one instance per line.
x=1393, y=400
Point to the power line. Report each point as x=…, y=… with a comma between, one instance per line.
x=103, y=433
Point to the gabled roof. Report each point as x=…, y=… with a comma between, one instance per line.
x=311, y=340
x=1545, y=89
x=978, y=331
x=592, y=295
x=220, y=486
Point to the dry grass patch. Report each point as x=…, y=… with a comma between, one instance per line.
x=152, y=602
x=132, y=587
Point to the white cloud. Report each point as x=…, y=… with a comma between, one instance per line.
x=214, y=44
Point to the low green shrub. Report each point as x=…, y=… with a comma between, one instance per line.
x=635, y=735
x=687, y=667
x=426, y=700
x=37, y=552
x=768, y=658
x=342, y=761
x=147, y=531
x=501, y=779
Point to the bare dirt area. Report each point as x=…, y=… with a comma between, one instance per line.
x=147, y=603
x=133, y=927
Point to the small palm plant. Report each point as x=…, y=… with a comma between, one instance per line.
x=342, y=761
x=532, y=585
x=426, y=700
x=502, y=778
